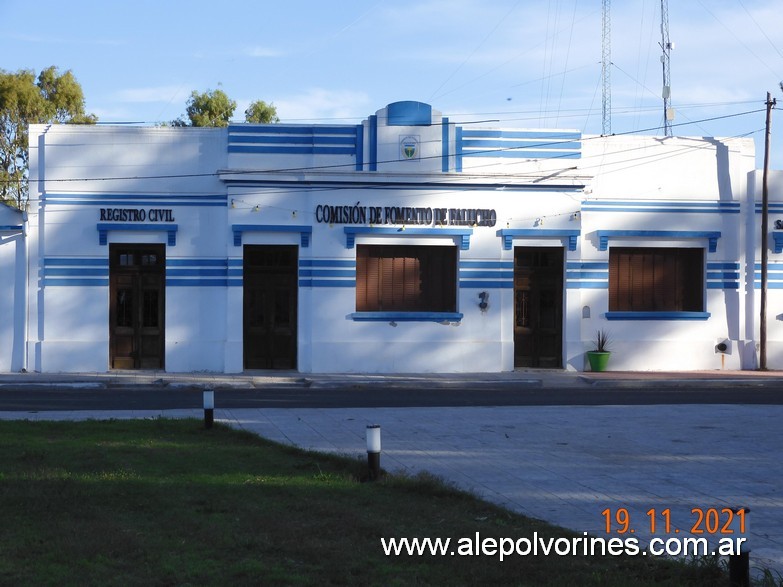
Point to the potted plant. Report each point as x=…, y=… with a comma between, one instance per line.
x=599, y=357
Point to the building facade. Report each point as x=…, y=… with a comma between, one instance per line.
x=408, y=243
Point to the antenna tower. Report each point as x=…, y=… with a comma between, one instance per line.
x=666, y=46
x=606, y=62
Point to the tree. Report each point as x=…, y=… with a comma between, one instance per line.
x=214, y=108
x=210, y=108
x=53, y=98
x=259, y=112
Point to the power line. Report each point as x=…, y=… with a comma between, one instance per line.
x=351, y=165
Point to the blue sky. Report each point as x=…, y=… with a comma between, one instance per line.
x=518, y=63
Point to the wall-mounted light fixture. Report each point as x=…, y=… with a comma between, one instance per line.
x=484, y=303
x=723, y=346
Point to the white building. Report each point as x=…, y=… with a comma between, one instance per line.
x=408, y=243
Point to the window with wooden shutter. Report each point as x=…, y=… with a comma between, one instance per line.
x=643, y=279
x=406, y=278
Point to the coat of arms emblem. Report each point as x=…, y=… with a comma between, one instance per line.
x=409, y=147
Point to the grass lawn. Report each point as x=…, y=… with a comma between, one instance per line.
x=165, y=502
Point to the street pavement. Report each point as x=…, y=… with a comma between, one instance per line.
x=565, y=464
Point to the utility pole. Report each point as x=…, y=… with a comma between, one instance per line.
x=764, y=238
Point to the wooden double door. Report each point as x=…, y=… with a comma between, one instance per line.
x=270, y=306
x=137, y=293
x=538, y=307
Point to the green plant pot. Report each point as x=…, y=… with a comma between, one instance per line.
x=598, y=360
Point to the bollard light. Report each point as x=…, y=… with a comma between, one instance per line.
x=739, y=564
x=209, y=408
x=374, y=451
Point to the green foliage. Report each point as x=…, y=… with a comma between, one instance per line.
x=214, y=108
x=53, y=97
x=259, y=112
x=602, y=341
x=211, y=108
x=164, y=502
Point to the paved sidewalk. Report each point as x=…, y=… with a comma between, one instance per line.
x=547, y=378
x=562, y=464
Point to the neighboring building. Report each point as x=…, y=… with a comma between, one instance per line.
x=13, y=284
x=409, y=243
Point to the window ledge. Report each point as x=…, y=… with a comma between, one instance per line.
x=657, y=315
x=406, y=316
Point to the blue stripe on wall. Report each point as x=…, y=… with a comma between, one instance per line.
x=327, y=273
x=310, y=140
x=195, y=262
x=486, y=274
x=444, y=141
x=587, y=285
x=196, y=282
x=467, y=274
x=660, y=206
x=136, y=203
x=75, y=271
x=75, y=261
x=150, y=197
x=723, y=275
x=286, y=129
x=587, y=275
x=458, y=148
x=549, y=135
x=327, y=283
x=518, y=144
x=327, y=263
x=487, y=284
x=262, y=150
x=78, y=282
x=521, y=154
x=372, y=137
x=587, y=265
x=486, y=264
x=145, y=200
x=196, y=272
x=300, y=140
x=359, y=147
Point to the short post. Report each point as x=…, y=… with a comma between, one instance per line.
x=739, y=563
x=209, y=408
x=374, y=451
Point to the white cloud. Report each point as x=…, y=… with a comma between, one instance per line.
x=153, y=94
x=322, y=105
x=261, y=52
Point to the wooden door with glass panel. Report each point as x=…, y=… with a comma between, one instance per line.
x=270, y=306
x=137, y=290
x=538, y=307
